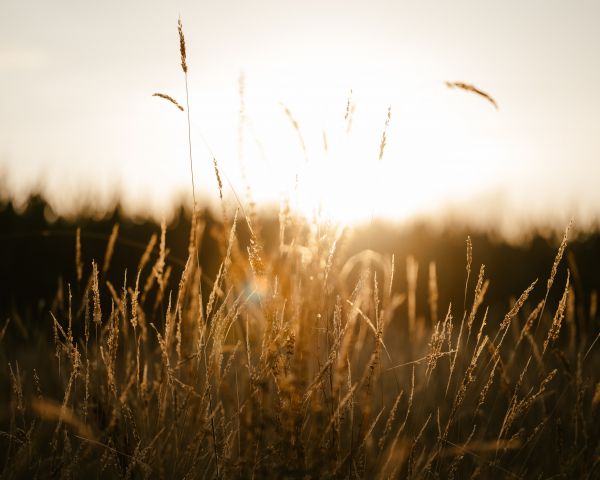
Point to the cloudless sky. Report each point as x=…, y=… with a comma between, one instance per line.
x=77, y=118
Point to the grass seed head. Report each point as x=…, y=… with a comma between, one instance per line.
x=184, y=66
x=168, y=98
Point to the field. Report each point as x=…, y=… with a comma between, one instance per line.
x=300, y=358
x=288, y=347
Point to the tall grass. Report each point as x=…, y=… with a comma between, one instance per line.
x=298, y=361
x=309, y=368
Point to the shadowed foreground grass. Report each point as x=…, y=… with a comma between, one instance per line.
x=299, y=361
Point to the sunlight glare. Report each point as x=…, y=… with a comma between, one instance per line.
x=441, y=145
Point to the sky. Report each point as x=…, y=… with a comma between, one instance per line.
x=78, y=121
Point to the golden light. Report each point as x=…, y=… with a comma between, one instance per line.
x=89, y=127
x=320, y=148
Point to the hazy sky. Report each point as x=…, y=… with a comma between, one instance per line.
x=77, y=117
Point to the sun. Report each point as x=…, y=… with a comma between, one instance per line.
x=333, y=163
x=391, y=151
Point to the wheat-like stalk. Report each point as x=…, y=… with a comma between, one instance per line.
x=471, y=88
x=558, y=317
x=169, y=99
x=554, y=270
x=296, y=127
x=383, y=142
x=182, y=46
x=110, y=247
x=78, y=261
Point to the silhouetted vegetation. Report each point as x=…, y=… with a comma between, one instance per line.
x=314, y=354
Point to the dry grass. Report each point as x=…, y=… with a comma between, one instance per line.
x=383, y=142
x=467, y=87
x=169, y=98
x=297, y=361
x=311, y=367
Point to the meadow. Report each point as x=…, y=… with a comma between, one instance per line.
x=299, y=356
